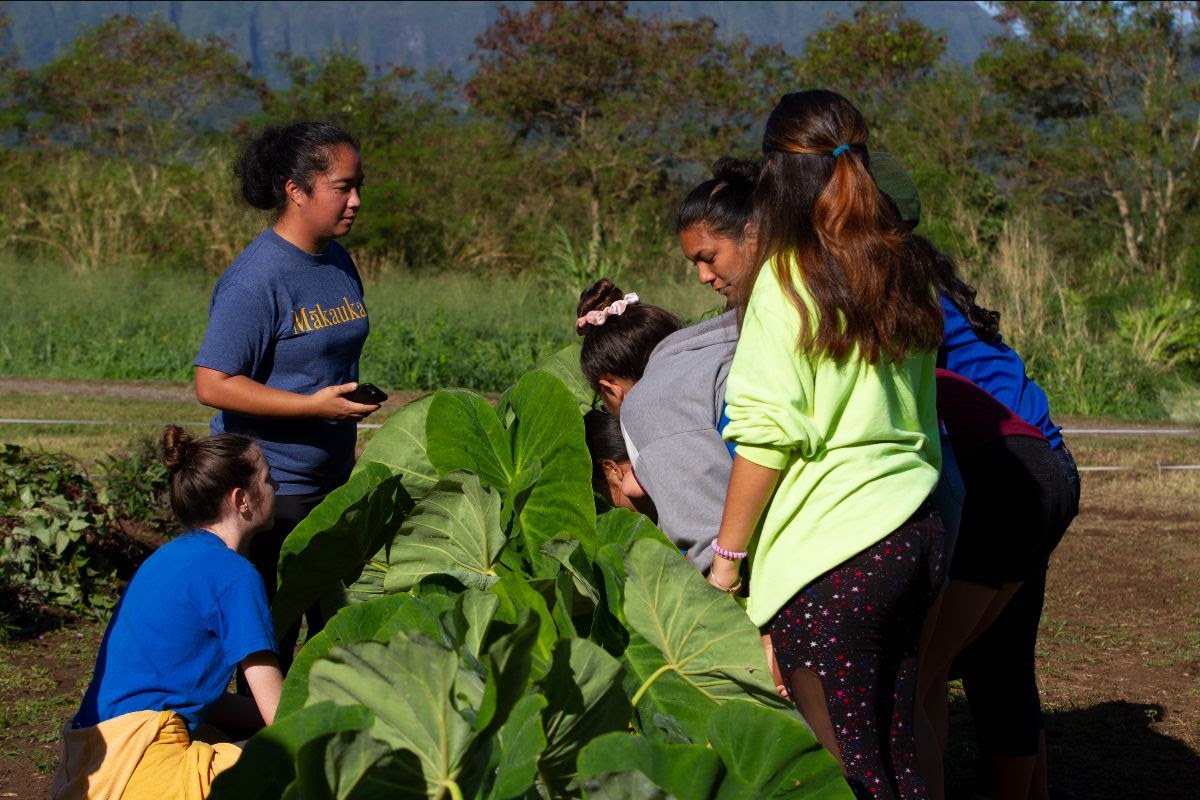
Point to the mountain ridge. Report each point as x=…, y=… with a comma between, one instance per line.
x=431, y=35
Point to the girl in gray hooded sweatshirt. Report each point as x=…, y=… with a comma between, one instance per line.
x=667, y=384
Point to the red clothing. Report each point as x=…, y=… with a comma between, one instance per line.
x=973, y=417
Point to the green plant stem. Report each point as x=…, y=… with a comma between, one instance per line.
x=455, y=792
x=645, y=686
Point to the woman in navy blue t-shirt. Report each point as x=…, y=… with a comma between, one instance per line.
x=287, y=324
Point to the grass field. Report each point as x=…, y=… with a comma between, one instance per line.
x=427, y=331
x=1118, y=657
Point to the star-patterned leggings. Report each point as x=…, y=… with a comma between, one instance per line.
x=857, y=628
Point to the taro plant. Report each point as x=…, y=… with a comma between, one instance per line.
x=496, y=637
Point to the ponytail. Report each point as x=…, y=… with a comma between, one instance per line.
x=826, y=229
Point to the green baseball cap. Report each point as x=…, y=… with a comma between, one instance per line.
x=893, y=181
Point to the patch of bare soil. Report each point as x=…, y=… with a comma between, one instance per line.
x=137, y=390
x=42, y=680
x=1119, y=649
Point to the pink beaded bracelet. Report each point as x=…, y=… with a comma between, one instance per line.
x=732, y=555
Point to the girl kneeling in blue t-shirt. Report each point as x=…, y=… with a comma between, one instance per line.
x=194, y=610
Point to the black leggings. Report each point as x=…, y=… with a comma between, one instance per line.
x=857, y=628
x=998, y=669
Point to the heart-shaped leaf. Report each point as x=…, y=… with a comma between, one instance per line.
x=377, y=620
x=584, y=700
x=329, y=546
x=686, y=771
x=693, y=646
x=773, y=753
x=413, y=687
x=454, y=530
x=400, y=446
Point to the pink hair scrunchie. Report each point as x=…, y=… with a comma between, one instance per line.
x=598, y=316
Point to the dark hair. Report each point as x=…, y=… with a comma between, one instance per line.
x=202, y=471
x=621, y=346
x=984, y=321
x=297, y=152
x=823, y=220
x=604, y=441
x=724, y=203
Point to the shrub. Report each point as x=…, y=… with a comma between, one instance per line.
x=58, y=548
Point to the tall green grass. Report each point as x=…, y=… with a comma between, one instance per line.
x=1072, y=343
x=436, y=329
x=427, y=330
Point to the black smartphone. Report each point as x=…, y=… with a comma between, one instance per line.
x=367, y=394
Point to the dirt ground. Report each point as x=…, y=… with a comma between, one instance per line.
x=1119, y=651
x=135, y=390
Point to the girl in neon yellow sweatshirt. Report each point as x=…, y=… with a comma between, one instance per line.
x=831, y=402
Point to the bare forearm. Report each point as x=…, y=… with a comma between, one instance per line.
x=265, y=682
x=244, y=395
x=750, y=489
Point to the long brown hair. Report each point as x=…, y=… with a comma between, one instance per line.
x=202, y=471
x=823, y=220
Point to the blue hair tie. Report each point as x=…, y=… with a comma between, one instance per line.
x=841, y=148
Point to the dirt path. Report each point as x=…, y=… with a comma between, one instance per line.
x=135, y=390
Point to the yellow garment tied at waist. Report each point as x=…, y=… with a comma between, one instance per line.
x=143, y=755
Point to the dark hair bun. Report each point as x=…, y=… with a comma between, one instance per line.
x=600, y=294
x=297, y=152
x=736, y=169
x=176, y=445
x=258, y=171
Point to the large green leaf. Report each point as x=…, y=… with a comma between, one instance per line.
x=329, y=546
x=549, y=433
x=564, y=365
x=519, y=742
x=686, y=771
x=539, y=463
x=416, y=689
x=584, y=700
x=464, y=434
x=754, y=752
x=693, y=646
x=567, y=552
x=623, y=527
x=377, y=620
x=509, y=666
x=774, y=754
x=268, y=764
x=400, y=445
x=517, y=599
x=454, y=530
x=353, y=765
x=623, y=786
x=465, y=627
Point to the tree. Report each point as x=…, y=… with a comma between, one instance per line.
x=926, y=112
x=10, y=79
x=614, y=101
x=139, y=89
x=872, y=58
x=1105, y=97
